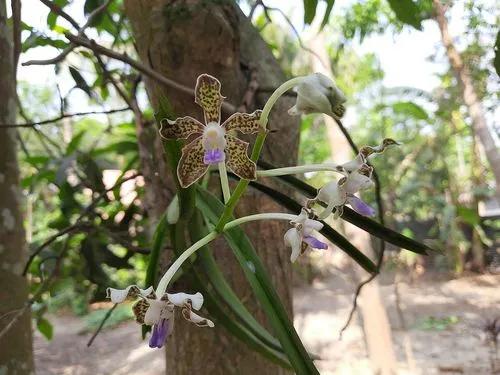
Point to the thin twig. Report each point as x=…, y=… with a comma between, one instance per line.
x=294, y=29
x=97, y=48
x=72, y=46
x=58, y=10
x=55, y=119
x=103, y=321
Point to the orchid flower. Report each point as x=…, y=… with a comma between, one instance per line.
x=159, y=312
x=338, y=193
x=318, y=94
x=301, y=236
x=212, y=143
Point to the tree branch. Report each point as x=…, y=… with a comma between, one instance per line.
x=72, y=46
x=103, y=321
x=55, y=119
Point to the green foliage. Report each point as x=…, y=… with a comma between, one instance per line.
x=45, y=328
x=407, y=12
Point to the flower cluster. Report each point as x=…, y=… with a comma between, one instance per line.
x=212, y=143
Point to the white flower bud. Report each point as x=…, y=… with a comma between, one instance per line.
x=318, y=94
x=173, y=211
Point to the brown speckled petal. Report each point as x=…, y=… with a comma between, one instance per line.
x=139, y=309
x=182, y=127
x=238, y=160
x=246, y=123
x=208, y=97
x=191, y=166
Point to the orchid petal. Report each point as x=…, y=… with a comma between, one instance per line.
x=191, y=166
x=131, y=292
x=356, y=182
x=200, y=321
x=244, y=122
x=181, y=299
x=314, y=243
x=160, y=333
x=140, y=308
x=293, y=239
x=208, y=97
x=310, y=225
x=182, y=127
x=158, y=309
x=332, y=194
x=238, y=160
x=197, y=319
x=360, y=206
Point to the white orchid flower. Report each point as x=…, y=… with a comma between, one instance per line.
x=159, y=312
x=318, y=94
x=336, y=194
x=301, y=236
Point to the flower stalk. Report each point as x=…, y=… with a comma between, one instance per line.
x=167, y=277
x=326, y=167
x=224, y=183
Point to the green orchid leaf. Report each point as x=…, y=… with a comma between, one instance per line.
x=363, y=222
x=327, y=231
x=262, y=286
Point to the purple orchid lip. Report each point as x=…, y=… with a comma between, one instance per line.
x=213, y=156
x=360, y=206
x=160, y=333
x=315, y=243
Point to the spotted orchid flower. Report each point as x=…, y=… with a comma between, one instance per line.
x=318, y=94
x=301, y=236
x=159, y=312
x=212, y=143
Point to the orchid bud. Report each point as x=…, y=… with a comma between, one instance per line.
x=173, y=211
x=318, y=94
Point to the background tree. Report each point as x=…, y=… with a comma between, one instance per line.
x=16, y=356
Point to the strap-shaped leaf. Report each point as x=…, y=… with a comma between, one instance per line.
x=369, y=225
x=212, y=302
x=261, y=285
x=327, y=231
x=224, y=290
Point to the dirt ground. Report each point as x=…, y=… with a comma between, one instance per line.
x=443, y=335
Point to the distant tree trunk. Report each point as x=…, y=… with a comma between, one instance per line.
x=469, y=95
x=183, y=39
x=15, y=347
x=376, y=324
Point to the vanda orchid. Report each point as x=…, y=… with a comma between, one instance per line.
x=302, y=235
x=210, y=143
x=158, y=311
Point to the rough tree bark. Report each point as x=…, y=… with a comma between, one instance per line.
x=470, y=97
x=15, y=347
x=183, y=39
x=376, y=326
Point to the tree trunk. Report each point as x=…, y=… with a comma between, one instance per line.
x=469, y=95
x=183, y=39
x=376, y=325
x=15, y=346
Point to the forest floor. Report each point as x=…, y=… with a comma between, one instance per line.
x=444, y=320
